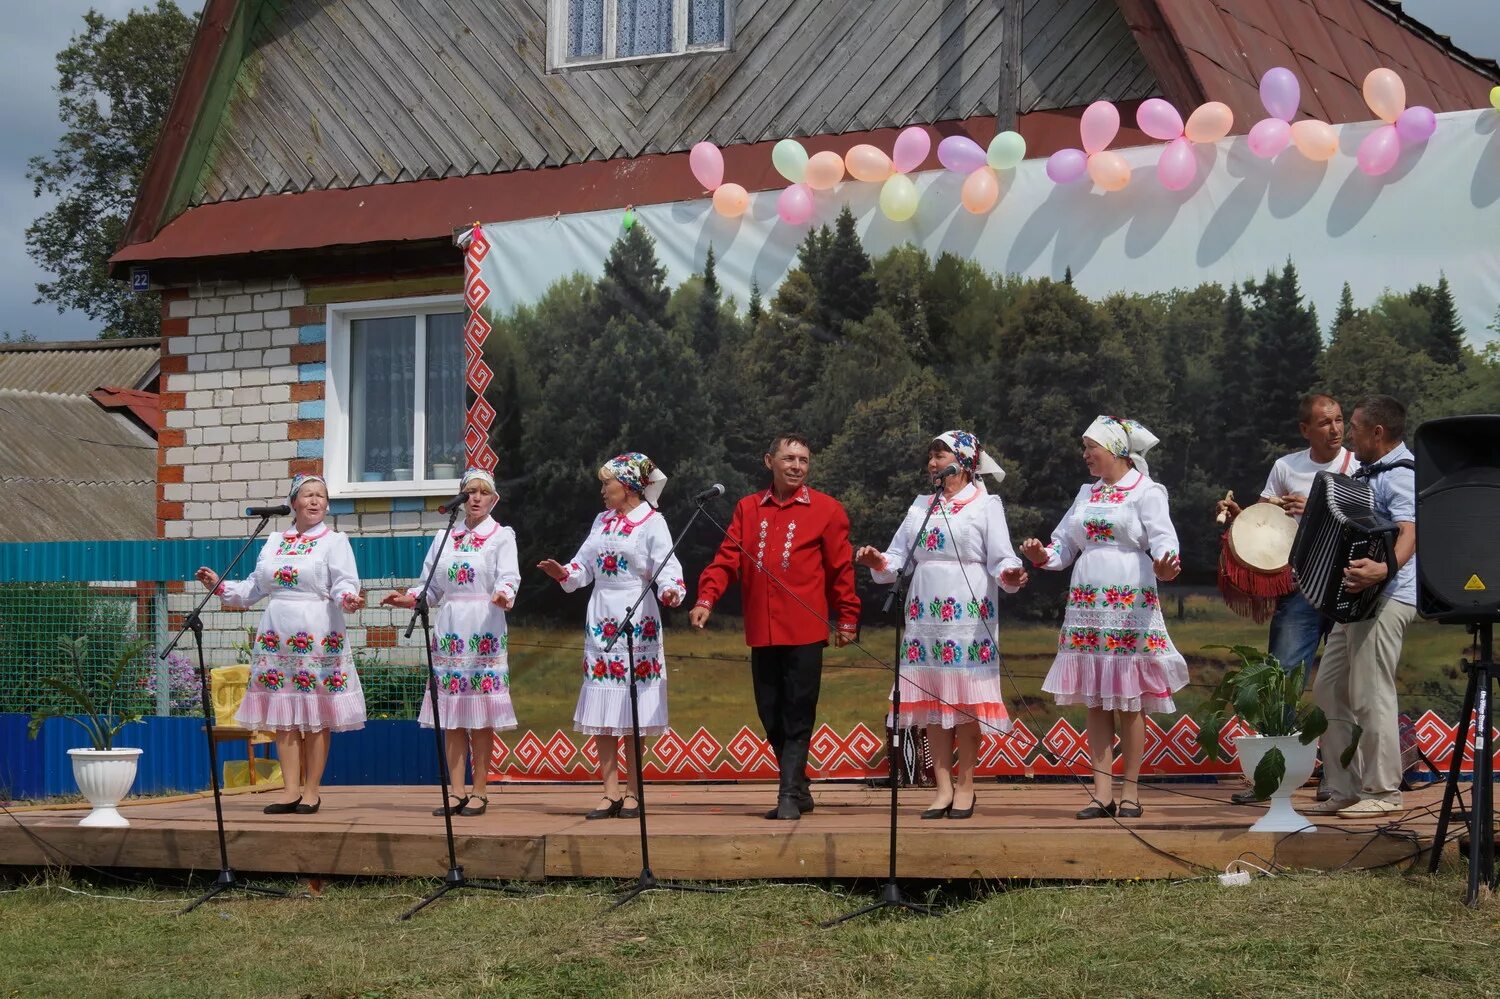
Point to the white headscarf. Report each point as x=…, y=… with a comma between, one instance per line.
x=477, y=475
x=299, y=480
x=1123, y=439
x=639, y=473
x=971, y=455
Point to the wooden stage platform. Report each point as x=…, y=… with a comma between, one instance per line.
x=712, y=832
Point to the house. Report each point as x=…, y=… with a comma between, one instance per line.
x=299, y=212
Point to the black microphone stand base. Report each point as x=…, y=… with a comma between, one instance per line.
x=1480, y=816
x=230, y=881
x=646, y=881
x=890, y=898
x=455, y=880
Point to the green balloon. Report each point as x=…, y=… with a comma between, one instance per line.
x=1006, y=150
x=628, y=221
x=898, y=198
x=790, y=160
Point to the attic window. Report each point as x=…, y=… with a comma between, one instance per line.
x=590, y=32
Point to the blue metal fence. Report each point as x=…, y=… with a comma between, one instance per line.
x=78, y=561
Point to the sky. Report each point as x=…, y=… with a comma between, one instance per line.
x=29, y=127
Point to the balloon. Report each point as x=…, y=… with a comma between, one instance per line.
x=790, y=160
x=911, y=149
x=795, y=204
x=1385, y=93
x=1067, y=165
x=1280, y=93
x=1158, y=119
x=1379, y=151
x=731, y=200
x=1416, y=124
x=1109, y=170
x=1007, y=150
x=1495, y=98
x=824, y=170
x=1209, y=122
x=865, y=162
x=708, y=165
x=1315, y=139
x=1269, y=136
x=1098, y=126
x=980, y=191
x=961, y=154
x=1178, y=165
x=898, y=197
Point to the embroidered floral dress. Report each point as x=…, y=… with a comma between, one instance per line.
x=619, y=556
x=1114, y=651
x=950, y=659
x=470, y=644
x=302, y=673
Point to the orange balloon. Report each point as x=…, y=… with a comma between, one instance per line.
x=865, y=162
x=980, y=191
x=1385, y=93
x=1315, y=139
x=1109, y=170
x=824, y=170
x=1209, y=122
x=731, y=200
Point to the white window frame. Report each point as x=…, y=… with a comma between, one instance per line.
x=557, y=37
x=337, y=389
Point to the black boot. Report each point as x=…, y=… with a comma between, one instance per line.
x=793, y=772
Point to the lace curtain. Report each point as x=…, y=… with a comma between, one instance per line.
x=445, y=394
x=383, y=390
x=706, y=22
x=644, y=27
x=585, y=29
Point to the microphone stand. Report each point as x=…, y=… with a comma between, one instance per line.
x=646, y=880
x=890, y=894
x=455, y=878
x=227, y=879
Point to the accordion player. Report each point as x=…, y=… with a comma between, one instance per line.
x=1340, y=525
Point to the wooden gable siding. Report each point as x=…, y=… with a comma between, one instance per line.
x=349, y=93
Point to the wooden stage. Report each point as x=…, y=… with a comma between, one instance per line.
x=711, y=832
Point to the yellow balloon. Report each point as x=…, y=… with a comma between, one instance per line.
x=1495, y=98
x=824, y=170
x=898, y=197
x=1209, y=122
x=1385, y=93
x=1315, y=139
x=1109, y=170
x=980, y=191
x=731, y=200
x=865, y=162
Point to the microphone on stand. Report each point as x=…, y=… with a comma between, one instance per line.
x=952, y=469
x=717, y=489
x=455, y=502
x=279, y=510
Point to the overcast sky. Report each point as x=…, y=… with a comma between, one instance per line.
x=29, y=127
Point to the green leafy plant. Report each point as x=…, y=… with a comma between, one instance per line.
x=244, y=650
x=1267, y=697
x=92, y=704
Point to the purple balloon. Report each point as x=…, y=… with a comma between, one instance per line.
x=1067, y=165
x=1281, y=93
x=961, y=154
x=1416, y=124
x=1269, y=136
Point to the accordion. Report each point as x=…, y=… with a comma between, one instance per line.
x=1340, y=525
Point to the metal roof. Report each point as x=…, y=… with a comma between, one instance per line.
x=77, y=367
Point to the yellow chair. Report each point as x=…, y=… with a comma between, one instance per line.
x=226, y=688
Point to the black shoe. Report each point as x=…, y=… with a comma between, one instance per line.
x=1324, y=793
x=282, y=807
x=1245, y=798
x=1129, y=809
x=479, y=809
x=615, y=804
x=805, y=801
x=963, y=813
x=309, y=809
x=938, y=813
x=786, y=809
x=1097, y=811
x=630, y=812
x=454, y=809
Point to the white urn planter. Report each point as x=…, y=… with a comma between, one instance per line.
x=104, y=776
x=1300, y=760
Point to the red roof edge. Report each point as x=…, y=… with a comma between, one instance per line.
x=143, y=407
x=1163, y=53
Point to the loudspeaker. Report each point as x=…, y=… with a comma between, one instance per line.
x=1458, y=518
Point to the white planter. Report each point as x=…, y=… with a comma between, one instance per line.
x=104, y=776
x=1300, y=760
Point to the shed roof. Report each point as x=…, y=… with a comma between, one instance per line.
x=77, y=367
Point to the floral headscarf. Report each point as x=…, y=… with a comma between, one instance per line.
x=298, y=481
x=637, y=473
x=477, y=475
x=1123, y=439
x=971, y=455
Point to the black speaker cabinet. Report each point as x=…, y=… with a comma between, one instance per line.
x=1458, y=518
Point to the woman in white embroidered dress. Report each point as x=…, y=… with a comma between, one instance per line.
x=1113, y=654
x=474, y=585
x=626, y=544
x=302, y=679
x=950, y=656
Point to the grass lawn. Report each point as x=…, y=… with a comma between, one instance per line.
x=1354, y=935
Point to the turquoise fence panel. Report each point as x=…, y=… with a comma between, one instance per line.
x=79, y=561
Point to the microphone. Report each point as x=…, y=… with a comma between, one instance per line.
x=717, y=489
x=279, y=510
x=454, y=503
x=952, y=469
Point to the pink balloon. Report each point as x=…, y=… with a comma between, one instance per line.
x=795, y=205
x=911, y=149
x=708, y=165
x=1269, y=136
x=1281, y=93
x=1158, y=119
x=1379, y=151
x=1067, y=165
x=1100, y=123
x=961, y=154
x=1177, y=166
x=1416, y=124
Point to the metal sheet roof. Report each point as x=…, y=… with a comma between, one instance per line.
x=78, y=367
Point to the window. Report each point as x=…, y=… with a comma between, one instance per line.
x=589, y=32
x=395, y=397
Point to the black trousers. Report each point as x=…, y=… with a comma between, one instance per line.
x=787, y=679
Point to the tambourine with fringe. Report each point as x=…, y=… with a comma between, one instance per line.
x=1255, y=561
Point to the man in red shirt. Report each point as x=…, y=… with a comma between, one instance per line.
x=789, y=548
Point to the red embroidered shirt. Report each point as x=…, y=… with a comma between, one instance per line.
x=800, y=545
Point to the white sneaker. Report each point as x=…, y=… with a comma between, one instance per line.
x=1368, y=808
x=1332, y=806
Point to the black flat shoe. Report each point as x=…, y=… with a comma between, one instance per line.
x=786, y=809
x=630, y=812
x=804, y=805
x=479, y=809
x=458, y=806
x=310, y=809
x=1096, y=810
x=938, y=813
x=615, y=804
x=1129, y=809
x=963, y=813
x=282, y=807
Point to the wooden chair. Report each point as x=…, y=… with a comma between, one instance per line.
x=226, y=688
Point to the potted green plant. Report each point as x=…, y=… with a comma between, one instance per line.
x=103, y=772
x=1280, y=756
